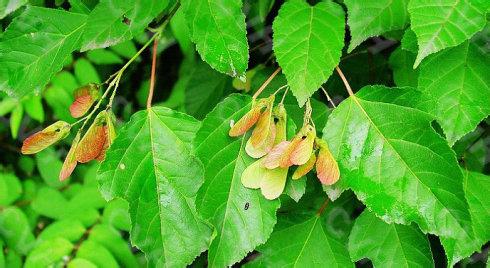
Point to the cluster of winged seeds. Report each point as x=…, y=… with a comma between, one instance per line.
x=268, y=143
x=92, y=145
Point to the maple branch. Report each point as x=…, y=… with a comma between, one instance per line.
x=346, y=83
x=266, y=83
x=153, y=70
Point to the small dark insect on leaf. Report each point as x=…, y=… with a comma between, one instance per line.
x=247, y=205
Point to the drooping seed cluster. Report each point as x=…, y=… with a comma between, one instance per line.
x=268, y=143
x=92, y=145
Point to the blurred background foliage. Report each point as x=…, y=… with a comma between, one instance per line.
x=44, y=222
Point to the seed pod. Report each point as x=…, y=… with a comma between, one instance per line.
x=249, y=119
x=46, y=137
x=273, y=158
x=84, y=99
x=270, y=181
x=92, y=143
x=327, y=169
x=303, y=150
x=263, y=127
x=299, y=150
x=274, y=182
x=305, y=168
x=265, y=146
x=111, y=135
x=280, y=117
x=70, y=161
x=245, y=123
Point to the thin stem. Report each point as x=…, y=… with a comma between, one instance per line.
x=152, y=77
x=264, y=85
x=328, y=97
x=322, y=208
x=279, y=89
x=307, y=115
x=284, y=95
x=346, y=83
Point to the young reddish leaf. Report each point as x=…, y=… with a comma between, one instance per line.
x=92, y=143
x=303, y=150
x=46, y=137
x=272, y=160
x=70, y=161
x=305, y=168
x=84, y=98
x=327, y=169
x=265, y=146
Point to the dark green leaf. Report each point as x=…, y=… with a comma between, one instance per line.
x=39, y=39
x=150, y=164
x=218, y=29
x=388, y=245
x=308, y=43
x=223, y=199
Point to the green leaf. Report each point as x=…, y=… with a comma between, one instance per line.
x=49, y=166
x=477, y=190
x=144, y=11
x=49, y=253
x=51, y=203
x=7, y=105
x=10, y=188
x=204, y=90
x=81, y=263
x=125, y=49
x=112, y=240
x=97, y=254
x=15, y=120
x=13, y=260
x=382, y=146
x=374, y=17
x=305, y=244
x=34, y=107
x=222, y=199
x=105, y=27
x=116, y=214
x=457, y=80
x=308, y=43
x=70, y=230
x=388, y=245
x=181, y=33
x=35, y=46
x=85, y=72
x=15, y=230
x=259, y=9
x=401, y=62
x=442, y=24
x=103, y=56
x=9, y=6
x=150, y=164
x=2, y=254
x=219, y=31
x=409, y=41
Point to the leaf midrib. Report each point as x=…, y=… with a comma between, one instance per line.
x=386, y=141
